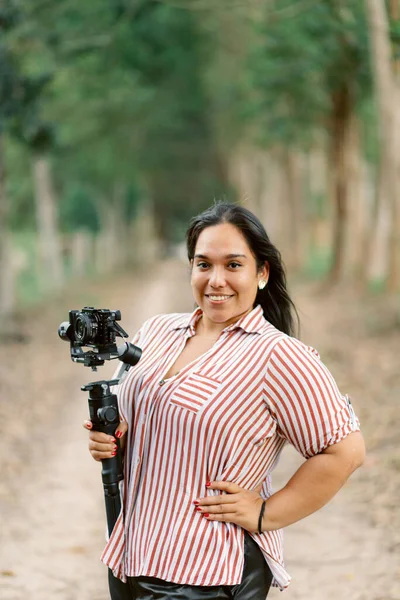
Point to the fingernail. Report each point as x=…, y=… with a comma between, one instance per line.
x=115, y=448
x=197, y=509
x=89, y=425
x=208, y=483
x=196, y=502
x=113, y=453
x=206, y=515
x=118, y=434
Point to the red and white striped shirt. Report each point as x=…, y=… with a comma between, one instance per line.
x=225, y=416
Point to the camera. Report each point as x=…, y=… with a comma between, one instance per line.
x=91, y=327
x=97, y=328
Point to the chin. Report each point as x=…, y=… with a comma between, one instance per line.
x=218, y=316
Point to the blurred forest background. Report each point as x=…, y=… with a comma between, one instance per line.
x=120, y=119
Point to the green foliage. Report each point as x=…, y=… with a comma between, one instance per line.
x=318, y=263
x=128, y=99
x=28, y=290
x=9, y=75
x=154, y=98
x=19, y=185
x=370, y=130
x=78, y=210
x=295, y=65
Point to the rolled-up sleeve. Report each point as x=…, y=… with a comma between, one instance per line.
x=304, y=400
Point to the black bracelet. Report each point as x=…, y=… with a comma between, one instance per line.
x=260, y=518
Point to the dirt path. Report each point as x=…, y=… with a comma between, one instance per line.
x=51, y=505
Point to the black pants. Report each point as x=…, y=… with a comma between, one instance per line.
x=255, y=583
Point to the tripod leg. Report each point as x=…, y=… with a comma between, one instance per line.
x=118, y=589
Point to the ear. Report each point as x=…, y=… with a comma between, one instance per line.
x=264, y=272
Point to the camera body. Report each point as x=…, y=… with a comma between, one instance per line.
x=93, y=327
x=96, y=328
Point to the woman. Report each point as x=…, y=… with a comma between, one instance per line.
x=206, y=413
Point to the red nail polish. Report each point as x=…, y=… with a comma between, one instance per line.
x=89, y=425
x=196, y=502
x=206, y=515
x=198, y=509
x=208, y=483
x=118, y=434
x=113, y=453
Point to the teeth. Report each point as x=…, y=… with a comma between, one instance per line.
x=219, y=297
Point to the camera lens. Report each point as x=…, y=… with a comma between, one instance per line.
x=85, y=329
x=65, y=331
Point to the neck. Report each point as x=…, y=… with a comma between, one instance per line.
x=209, y=329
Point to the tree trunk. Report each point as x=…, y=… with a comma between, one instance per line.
x=257, y=178
x=270, y=211
x=111, y=242
x=374, y=220
x=292, y=174
x=116, y=226
x=318, y=192
x=358, y=203
x=46, y=211
x=340, y=130
x=387, y=94
x=81, y=252
x=246, y=176
x=143, y=232
x=6, y=269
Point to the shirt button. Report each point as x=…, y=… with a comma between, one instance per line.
x=161, y=382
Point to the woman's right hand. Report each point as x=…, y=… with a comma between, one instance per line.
x=102, y=445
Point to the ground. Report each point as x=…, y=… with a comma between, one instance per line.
x=51, y=506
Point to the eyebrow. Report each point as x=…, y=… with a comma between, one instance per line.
x=227, y=256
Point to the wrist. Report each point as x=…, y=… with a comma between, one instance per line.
x=260, y=523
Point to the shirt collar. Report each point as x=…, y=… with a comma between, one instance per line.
x=253, y=322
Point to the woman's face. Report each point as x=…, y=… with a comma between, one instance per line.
x=224, y=274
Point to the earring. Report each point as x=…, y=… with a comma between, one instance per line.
x=261, y=284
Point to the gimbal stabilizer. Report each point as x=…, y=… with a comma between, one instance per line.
x=97, y=329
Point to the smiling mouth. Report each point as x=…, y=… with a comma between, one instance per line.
x=218, y=297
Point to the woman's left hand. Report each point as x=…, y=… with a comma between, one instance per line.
x=237, y=505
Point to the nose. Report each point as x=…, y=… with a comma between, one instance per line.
x=217, y=277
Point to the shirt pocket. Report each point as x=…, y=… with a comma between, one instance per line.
x=194, y=392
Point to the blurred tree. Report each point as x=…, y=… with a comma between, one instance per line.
x=388, y=99
x=173, y=106
x=9, y=95
x=308, y=74
x=128, y=88
x=38, y=136
x=27, y=125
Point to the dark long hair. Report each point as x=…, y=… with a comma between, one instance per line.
x=274, y=299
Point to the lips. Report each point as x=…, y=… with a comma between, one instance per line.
x=218, y=297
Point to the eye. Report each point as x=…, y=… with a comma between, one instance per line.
x=234, y=265
x=202, y=265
